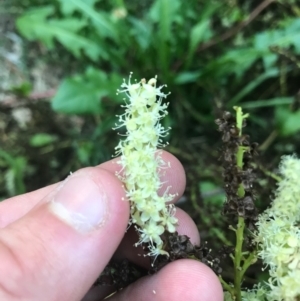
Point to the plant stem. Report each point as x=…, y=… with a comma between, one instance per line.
x=226, y=286
x=238, y=257
x=270, y=174
x=238, y=271
x=250, y=260
x=270, y=139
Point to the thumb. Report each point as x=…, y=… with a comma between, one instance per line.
x=58, y=249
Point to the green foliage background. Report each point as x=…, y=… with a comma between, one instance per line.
x=212, y=55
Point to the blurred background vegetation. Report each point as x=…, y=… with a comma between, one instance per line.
x=62, y=61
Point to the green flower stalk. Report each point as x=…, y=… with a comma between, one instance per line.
x=278, y=235
x=142, y=163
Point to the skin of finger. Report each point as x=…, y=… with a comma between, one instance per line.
x=183, y=279
x=14, y=208
x=99, y=293
x=43, y=258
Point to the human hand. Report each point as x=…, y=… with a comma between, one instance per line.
x=54, y=243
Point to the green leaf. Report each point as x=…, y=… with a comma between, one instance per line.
x=14, y=176
x=23, y=89
x=187, y=77
x=287, y=122
x=35, y=25
x=211, y=193
x=141, y=32
x=82, y=94
x=42, y=139
x=201, y=31
x=101, y=20
x=236, y=61
x=69, y=7
x=84, y=151
x=262, y=103
x=252, y=85
x=284, y=37
x=164, y=12
x=36, y=16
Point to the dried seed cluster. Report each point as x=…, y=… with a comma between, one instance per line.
x=236, y=177
x=180, y=246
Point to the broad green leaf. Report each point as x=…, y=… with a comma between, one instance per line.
x=284, y=37
x=101, y=20
x=35, y=25
x=42, y=139
x=82, y=94
x=287, y=122
x=69, y=7
x=35, y=17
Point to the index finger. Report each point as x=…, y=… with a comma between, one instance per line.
x=14, y=208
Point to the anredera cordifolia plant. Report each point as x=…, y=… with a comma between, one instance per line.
x=140, y=161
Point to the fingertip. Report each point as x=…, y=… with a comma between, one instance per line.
x=174, y=176
x=186, y=226
x=190, y=280
x=54, y=242
x=183, y=279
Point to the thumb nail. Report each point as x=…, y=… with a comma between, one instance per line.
x=80, y=202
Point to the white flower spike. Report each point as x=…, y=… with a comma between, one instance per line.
x=141, y=162
x=278, y=234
